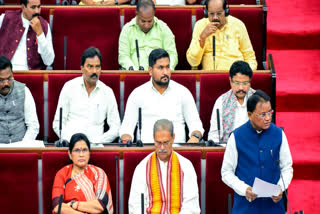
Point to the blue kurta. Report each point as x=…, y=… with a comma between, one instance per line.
x=257, y=157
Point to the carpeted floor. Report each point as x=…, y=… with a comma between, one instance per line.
x=293, y=38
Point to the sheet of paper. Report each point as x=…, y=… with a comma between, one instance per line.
x=27, y=143
x=265, y=189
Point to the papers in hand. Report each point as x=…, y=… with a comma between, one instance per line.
x=265, y=189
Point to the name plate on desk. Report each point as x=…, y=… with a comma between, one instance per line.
x=27, y=143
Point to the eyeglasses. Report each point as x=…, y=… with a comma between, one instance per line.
x=78, y=151
x=162, y=144
x=264, y=114
x=240, y=83
x=10, y=79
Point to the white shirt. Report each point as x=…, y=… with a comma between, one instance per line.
x=241, y=117
x=170, y=2
x=230, y=162
x=175, y=104
x=86, y=114
x=190, y=203
x=45, y=48
x=30, y=116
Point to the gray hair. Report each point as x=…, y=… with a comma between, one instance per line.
x=163, y=124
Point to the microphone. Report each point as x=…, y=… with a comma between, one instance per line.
x=214, y=51
x=229, y=204
x=117, y=184
x=285, y=191
x=138, y=56
x=218, y=125
x=65, y=53
x=60, y=142
x=1, y=2
x=142, y=203
x=60, y=203
x=139, y=142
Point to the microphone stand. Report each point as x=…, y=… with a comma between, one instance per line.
x=214, y=52
x=139, y=141
x=138, y=56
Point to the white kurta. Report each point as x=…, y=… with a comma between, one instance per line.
x=190, y=203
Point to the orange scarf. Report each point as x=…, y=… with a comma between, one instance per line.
x=158, y=201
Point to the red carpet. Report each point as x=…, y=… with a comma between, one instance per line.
x=293, y=38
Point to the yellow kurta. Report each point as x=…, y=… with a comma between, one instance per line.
x=232, y=44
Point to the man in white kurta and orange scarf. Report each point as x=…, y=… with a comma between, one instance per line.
x=167, y=180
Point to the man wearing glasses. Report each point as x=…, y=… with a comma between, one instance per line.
x=232, y=41
x=232, y=105
x=87, y=103
x=260, y=149
x=18, y=117
x=167, y=179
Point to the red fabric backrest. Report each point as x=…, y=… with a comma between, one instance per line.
x=52, y=162
x=19, y=178
x=130, y=161
x=180, y=23
x=55, y=84
x=253, y=20
x=211, y=87
x=113, y=81
x=133, y=81
x=233, y=2
x=216, y=191
x=214, y=85
x=85, y=27
x=45, y=12
x=35, y=83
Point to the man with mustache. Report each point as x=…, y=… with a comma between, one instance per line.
x=232, y=41
x=167, y=179
x=159, y=98
x=150, y=32
x=25, y=37
x=18, y=117
x=260, y=149
x=87, y=103
x=232, y=105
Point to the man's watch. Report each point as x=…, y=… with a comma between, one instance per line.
x=116, y=2
x=196, y=135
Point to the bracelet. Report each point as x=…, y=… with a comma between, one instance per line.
x=71, y=204
x=78, y=205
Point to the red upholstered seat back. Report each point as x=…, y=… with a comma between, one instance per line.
x=35, y=83
x=85, y=27
x=214, y=85
x=52, y=162
x=180, y=23
x=45, y=12
x=19, y=183
x=132, y=159
x=216, y=191
x=252, y=2
x=55, y=84
x=253, y=20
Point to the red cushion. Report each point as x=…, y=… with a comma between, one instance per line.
x=113, y=81
x=131, y=82
x=214, y=85
x=180, y=23
x=85, y=27
x=188, y=81
x=19, y=183
x=45, y=12
x=35, y=83
x=130, y=161
x=253, y=20
x=216, y=191
x=55, y=84
x=252, y=2
x=52, y=162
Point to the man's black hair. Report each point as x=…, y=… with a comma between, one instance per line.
x=90, y=53
x=145, y=4
x=5, y=63
x=241, y=67
x=258, y=96
x=157, y=54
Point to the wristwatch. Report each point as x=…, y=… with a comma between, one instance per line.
x=196, y=135
x=116, y=2
x=71, y=204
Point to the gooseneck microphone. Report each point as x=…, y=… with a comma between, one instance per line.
x=138, y=56
x=117, y=184
x=218, y=125
x=60, y=203
x=60, y=126
x=285, y=191
x=142, y=203
x=139, y=141
x=214, y=51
